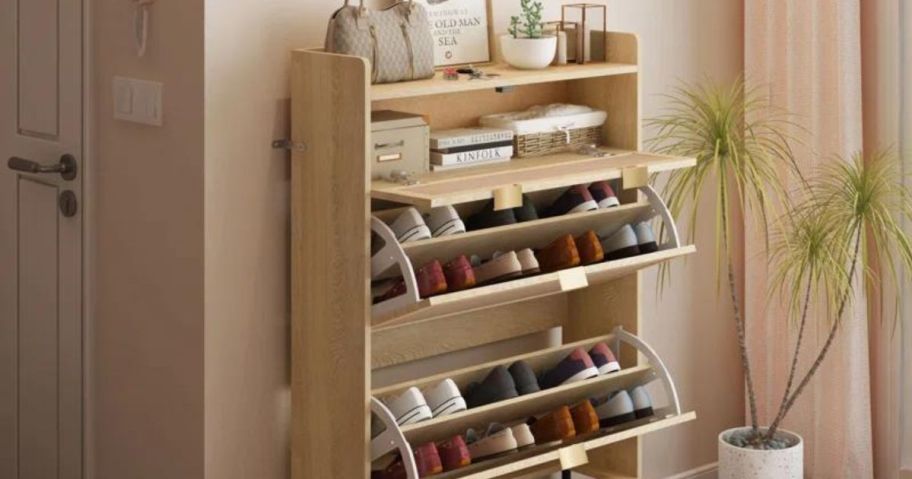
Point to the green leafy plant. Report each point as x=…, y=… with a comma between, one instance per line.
x=742, y=148
x=822, y=246
x=529, y=23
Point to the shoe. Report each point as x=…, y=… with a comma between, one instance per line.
x=488, y=218
x=604, y=359
x=498, y=439
x=589, y=248
x=388, y=290
x=445, y=399
x=523, y=435
x=526, y=212
x=576, y=199
x=459, y=274
x=524, y=378
x=585, y=420
x=642, y=402
x=409, y=226
x=616, y=409
x=502, y=267
x=603, y=194
x=444, y=221
x=554, y=426
x=498, y=385
x=560, y=254
x=410, y=407
x=427, y=458
x=454, y=453
x=577, y=366
x=621, y=244
x=528, y=262
x=431, y=280
x=646, y=241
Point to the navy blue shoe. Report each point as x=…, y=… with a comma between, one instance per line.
x=488, y=218
x=576, y=199
x=577, y=366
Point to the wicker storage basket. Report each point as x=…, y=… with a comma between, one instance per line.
x=544, y=130
x=537, y=144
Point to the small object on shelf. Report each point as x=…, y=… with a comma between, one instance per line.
x=470, y=147
x=558, y=28
x=450, y=74
x=527, y=46
x=399, y=141
x=473, y=157
x=546, y=129
x=583, y=53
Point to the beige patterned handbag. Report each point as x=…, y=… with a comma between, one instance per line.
x=397, y=40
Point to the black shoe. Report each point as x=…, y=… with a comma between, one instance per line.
x=526, y=212
x=524, y=377
x=488, y=218
x=575, y=200
x=498, y=385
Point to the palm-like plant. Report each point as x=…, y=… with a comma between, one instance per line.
x=742, y=150
x=850, y=219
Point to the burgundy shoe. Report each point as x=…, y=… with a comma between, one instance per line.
x=604, y=359
x=459, y=274
x=397, y=289
x=454, y=453
x=575, y=200
x=428, y=460
x=577, y=366
x=431, y=280
x=603, y=194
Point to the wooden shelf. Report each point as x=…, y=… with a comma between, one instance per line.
x=525, y=289
x=508, y=76
x=520, y=408
x=524, y=175
x=548, y=458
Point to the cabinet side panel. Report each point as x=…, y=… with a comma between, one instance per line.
x=329, y=280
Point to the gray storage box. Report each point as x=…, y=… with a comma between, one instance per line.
x=399, y=141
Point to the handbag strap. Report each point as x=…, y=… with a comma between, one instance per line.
x=362, y=9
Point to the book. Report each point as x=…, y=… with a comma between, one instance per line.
x=479, y=146
x=443, y=139
x=467, y=165
x=473, y=156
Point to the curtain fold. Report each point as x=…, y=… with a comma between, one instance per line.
x=806, y=55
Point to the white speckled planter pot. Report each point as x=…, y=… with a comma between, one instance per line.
x=739, y=463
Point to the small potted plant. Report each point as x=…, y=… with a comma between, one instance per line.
x=526, y=46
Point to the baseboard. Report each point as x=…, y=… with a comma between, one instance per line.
x=706, y=471
x=905, y=474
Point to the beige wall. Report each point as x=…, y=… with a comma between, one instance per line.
x=192, y=312
x=146, y=361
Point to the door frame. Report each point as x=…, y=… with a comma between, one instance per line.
x=88, y=243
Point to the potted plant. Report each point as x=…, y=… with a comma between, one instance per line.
x=844, y=218
x=526, y=46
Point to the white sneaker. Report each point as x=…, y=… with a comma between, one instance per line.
x=616, y=409
x=409, y=226
x=444, y=221
x=445, y=399
x=410, y=407
x=642, y=402
x=620, y=244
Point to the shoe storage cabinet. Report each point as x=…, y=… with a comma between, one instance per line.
x=339, y=338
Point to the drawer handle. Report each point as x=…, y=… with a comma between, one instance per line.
x=383, y=146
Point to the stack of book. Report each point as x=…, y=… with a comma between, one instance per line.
x=464, y=147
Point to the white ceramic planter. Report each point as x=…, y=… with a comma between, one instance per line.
x=528, y=53
x=740, y=463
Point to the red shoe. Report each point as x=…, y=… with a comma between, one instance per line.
x=459, y=274
x=426, y=458
x=431, y=280
x=454, y=453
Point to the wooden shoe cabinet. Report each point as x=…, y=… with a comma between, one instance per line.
x=339, y=338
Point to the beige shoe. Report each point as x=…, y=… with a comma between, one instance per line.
x=523, y=435
x=527, y=260
x=497, y=440
x=501, y=267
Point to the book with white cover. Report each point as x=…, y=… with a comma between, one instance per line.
x=473, y=156
x=546, y=119
x=443, y=139
x=467, y=165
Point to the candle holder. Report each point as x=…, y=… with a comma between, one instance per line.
x=585, y=14
x=567, y=38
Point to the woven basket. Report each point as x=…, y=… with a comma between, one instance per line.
x=538, y=144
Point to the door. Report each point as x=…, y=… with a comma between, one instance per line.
x=41, y=121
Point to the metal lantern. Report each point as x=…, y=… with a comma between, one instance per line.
x=587, y=11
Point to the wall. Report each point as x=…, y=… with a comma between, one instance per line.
x=246, y=229
x=145, y=384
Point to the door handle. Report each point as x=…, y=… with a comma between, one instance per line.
x=66, y=167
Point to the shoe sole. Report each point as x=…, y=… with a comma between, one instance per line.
x=622, y=253
x=609, y=368
x=582, y=375
x=590, y=205
x=610, y=202
x=617, y=420
x=645, y=412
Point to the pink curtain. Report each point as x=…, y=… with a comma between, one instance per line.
x=806, y=54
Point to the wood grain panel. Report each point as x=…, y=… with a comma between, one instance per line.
x=329, y=285
x=412, y=342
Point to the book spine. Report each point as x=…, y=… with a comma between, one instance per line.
x=467, y=165
x=475, y=156
x=454, y=142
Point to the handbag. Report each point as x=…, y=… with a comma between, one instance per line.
x=397, y=40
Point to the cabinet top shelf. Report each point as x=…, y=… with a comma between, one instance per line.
x=507, y=76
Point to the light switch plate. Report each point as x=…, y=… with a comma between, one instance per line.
x=138, y=101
